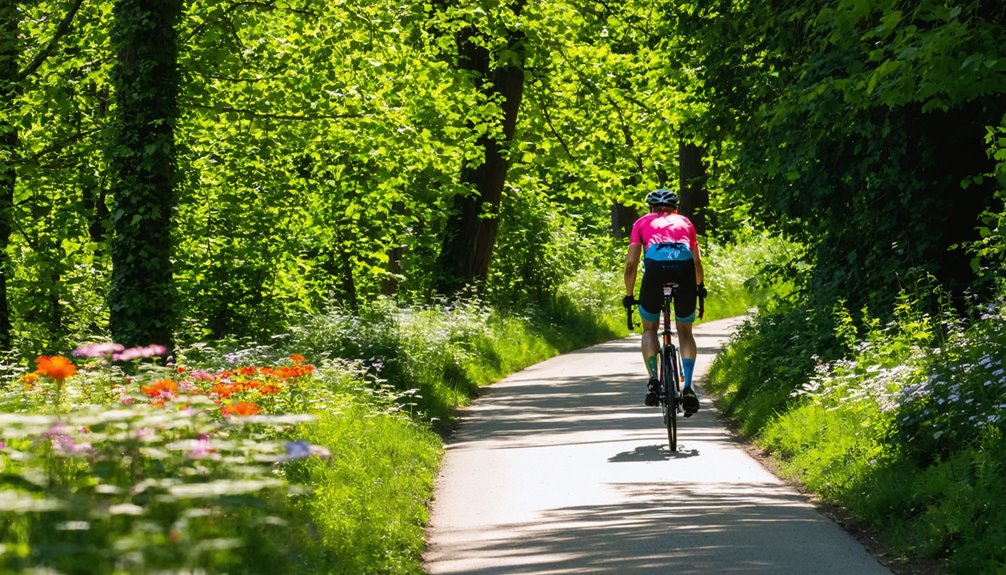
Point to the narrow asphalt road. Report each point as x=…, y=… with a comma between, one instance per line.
x=561, y=469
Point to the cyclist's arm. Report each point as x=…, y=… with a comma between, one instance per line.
x=631, y=267
x=699, y=273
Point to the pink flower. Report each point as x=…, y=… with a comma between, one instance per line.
x=63, y=442
x=98, y=349
x=132, y=353
x=199, y=448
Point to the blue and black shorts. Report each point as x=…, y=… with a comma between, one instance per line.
x=664, y=263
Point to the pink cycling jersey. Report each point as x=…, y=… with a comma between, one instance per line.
x=657, y=228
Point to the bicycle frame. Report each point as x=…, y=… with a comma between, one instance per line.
x=669, y=394
x=669, y=375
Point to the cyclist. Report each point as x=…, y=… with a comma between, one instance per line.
x=669, y=246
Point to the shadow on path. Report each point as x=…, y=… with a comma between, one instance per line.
x=561, y=469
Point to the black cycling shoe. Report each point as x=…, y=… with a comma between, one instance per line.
x=689, y=401
x=651, y=392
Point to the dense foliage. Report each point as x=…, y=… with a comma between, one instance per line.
x=276, y=167
x=322, y=151
x=873, y=131
x=856, y=126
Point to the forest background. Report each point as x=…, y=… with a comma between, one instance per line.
x=219, y=176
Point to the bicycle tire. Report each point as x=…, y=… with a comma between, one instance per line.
x=669, y=405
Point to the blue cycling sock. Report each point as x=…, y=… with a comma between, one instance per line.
x=651, y=366
x=689, y=365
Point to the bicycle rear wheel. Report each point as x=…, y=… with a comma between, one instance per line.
x=669, y=405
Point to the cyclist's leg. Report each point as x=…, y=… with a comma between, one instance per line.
x=684, y=311
x=650, y=346
x=689, y=351
x=651, y=297
x=650, y=301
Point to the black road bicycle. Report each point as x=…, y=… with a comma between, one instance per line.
x=669, y=366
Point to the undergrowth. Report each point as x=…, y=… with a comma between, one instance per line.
x=902, y=423
x=248, y=489
x=350, y=494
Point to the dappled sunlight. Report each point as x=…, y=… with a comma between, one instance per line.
x=666, y=528
x=561, y=469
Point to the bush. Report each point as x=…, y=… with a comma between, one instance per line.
x=770, y=355
x=903, y=425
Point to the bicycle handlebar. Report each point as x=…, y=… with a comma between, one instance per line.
x=631, y=325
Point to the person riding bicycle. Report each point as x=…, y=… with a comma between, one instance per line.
x=669, y=246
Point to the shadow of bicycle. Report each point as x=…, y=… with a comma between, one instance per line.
x=652, y=453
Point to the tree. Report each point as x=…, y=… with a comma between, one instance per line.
x=142, y=161
x=12, y=86
x=692, y=184
x=852, y=126
x=9, y=52
x=472, y=226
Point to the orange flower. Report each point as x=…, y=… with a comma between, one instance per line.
x=56, y=367
x=241, y=409
x=163, y=389
x=297, y=358
x=29, y=379
x=224, y=390
x=269, y=389
x=290, y=371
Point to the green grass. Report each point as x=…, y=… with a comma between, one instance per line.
x=902, y=424
x=368, y=502
x=389, y=381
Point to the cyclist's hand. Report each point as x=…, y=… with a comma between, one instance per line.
x=628, y=301
x=701, y=291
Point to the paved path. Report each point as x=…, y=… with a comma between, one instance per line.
x=561, y=469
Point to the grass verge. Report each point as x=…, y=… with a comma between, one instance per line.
x=902, y=424
x=209, y=491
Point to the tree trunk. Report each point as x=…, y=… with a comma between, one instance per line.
x=694, y=196
x=9, y=51
x=142, y=167
x=471, y=229
x=394, y=269
x=622, y=218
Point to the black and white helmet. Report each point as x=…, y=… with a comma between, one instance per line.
x=662, y=198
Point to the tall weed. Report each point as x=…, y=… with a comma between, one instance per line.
x=749, y=271
x=771, y=354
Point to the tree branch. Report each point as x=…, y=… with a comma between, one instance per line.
x=61, y=31
x=551, y=126
x=57, y=146
x=625, y=129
